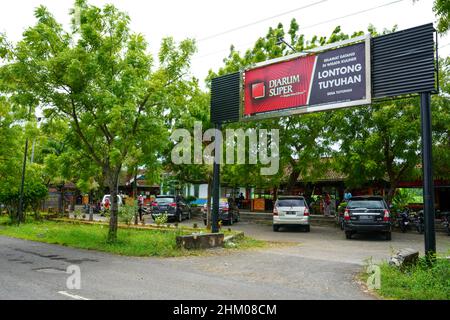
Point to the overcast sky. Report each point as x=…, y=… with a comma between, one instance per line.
x=206, y=20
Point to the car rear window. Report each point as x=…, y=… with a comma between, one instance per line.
x=291, y=203
x=367, y=204
x=164, y=200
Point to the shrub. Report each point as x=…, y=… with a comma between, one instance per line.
x=77, y=213
x=127, y=214
x=419, y=282
x=161, y=219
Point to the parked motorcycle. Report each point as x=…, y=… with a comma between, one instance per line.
x=403, y=220
x=420, y=225
x=446, y=222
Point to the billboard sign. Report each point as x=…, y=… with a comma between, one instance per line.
x=300, y=83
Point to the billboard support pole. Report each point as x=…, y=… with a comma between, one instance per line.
x=216, y=180
x=427, y=167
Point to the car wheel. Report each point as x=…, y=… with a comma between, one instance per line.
x=276, y=228
x=388, y=236
x=348, y=234
x=307, y=228
x=180, y=217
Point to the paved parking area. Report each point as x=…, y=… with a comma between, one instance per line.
x=329, y=243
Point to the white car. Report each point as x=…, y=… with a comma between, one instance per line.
x=291, y=211
x=107, y=196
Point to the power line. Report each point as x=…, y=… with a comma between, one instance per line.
x=316, y=24
x=353, y=14
x=259, y=21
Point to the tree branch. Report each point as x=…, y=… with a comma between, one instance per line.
x=81, y=135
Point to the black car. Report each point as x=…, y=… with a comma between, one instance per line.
x=174, y=207
x=367, y=214
x=228, y=211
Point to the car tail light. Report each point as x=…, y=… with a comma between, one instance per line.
x=275, y=211
x=306, y=212
x=172, y=204
x=347, y=215
x=154, y=204
x=225, y=209
x=386, y=215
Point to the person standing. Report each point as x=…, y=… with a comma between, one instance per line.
x=241, y=200
x=140, y=206
x=347, y=195
x=326, y=204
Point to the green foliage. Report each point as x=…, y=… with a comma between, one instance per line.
x=77, y=213
x=378, y=142
x=98, y=79
x=161, y=219
x=127, y=214
x=440, y=105
x=442, y=10
x=419, y=282
x=34, y=191
x=403, y=197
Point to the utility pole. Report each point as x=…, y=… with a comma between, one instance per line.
x=427, y=169
x=216, y=179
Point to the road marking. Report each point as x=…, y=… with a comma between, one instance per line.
x=73, y=296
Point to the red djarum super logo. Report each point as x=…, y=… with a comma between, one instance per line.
x=258, y=90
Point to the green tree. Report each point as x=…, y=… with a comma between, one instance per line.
x=378, y=142
x=440, y=105
x=13, y=133
x=99, y=78
x=442, y=10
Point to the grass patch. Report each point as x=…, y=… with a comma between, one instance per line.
x=131, y=242
x=246, y=243
x=419, y=282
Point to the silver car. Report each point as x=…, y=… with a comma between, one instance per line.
x=291, y=211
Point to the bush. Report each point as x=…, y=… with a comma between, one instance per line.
x=34, y=193
x=77, y=213
x=161, y=219
x=127, y=214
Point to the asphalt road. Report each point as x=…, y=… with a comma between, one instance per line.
x=316, y=265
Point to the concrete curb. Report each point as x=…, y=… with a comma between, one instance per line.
x=231, y=237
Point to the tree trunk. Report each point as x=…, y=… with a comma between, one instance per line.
x=113, y=220
x=391, y=192
x=293, y=177
x=135, y=197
